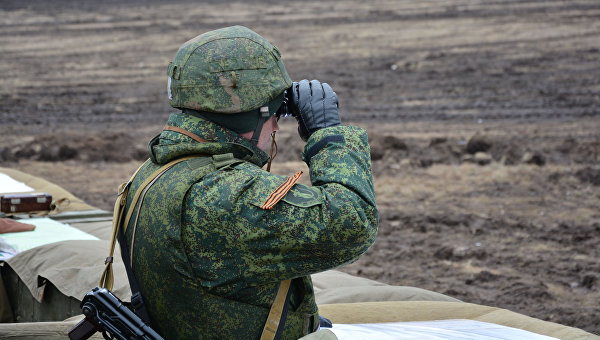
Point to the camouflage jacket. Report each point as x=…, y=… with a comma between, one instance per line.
x=209, y=259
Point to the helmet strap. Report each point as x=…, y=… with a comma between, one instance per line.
x=264, y=116
x=273, y=151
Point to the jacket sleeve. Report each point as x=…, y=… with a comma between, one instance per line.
x=342, y=226
x=312, y=229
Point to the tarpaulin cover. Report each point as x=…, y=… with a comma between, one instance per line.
x=74, y=267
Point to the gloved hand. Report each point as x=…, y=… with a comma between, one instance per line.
x=317, y=106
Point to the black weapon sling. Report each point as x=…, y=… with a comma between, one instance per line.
x=136, y=297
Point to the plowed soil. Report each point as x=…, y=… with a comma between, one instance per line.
x=483, y=116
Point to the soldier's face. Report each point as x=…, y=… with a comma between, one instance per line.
x=264, y=141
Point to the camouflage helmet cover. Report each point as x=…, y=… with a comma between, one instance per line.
x=229, y=70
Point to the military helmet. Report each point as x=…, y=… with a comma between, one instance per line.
x=227, y=71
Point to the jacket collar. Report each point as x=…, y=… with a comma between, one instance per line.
x=170, y=145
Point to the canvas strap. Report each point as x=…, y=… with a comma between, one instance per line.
x=107, y=278
x=184, y=132
x=277, y=315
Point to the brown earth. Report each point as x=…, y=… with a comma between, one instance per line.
x=483, y=118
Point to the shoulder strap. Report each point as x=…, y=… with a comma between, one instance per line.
x=185, y=132
x=144, y=184
x=107, y=278
x=278, y=314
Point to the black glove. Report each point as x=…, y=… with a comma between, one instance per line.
x=317, y=106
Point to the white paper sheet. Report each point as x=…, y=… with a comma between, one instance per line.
x=434, y=330
x=9, y=184
x=46, y=231
x=6, y=251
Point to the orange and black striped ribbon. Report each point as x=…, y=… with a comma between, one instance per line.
x=281, y=190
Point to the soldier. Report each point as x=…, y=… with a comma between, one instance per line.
x=213, y=240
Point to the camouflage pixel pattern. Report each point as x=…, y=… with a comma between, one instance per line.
x=229, y=70
x=209, y=260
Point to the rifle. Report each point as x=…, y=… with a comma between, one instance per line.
x=105, y=313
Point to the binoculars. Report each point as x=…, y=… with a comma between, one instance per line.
x=287, y=108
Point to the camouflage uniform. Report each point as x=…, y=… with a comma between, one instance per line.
x=206, y=254
x=215, y=271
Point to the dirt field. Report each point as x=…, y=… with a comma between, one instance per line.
x=484, y=120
